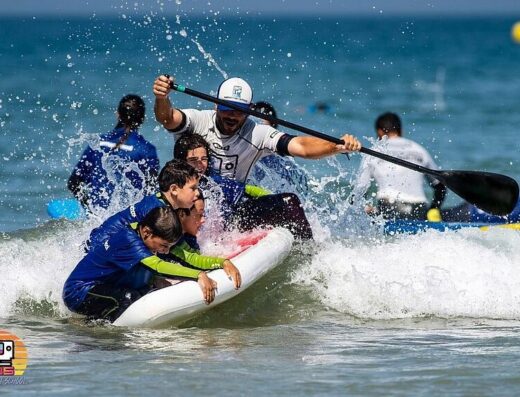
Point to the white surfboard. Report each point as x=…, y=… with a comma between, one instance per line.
x=177, y=303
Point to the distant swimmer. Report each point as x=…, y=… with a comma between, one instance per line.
x=123, y=159
x=320, y=107
x=237, y=143
x=400, y=191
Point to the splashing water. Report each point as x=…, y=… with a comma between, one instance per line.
x=466, y=273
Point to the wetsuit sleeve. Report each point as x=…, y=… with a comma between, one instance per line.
x=166, y=268
x=233, y=190
x=256, y=191
x=195, y=259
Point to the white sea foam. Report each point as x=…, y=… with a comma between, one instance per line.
x=36, y=268
x=467, y=273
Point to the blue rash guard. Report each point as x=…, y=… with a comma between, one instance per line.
x=116, y=262
x=123, y=261
x=232, y=192
x=120, y=220
x=134, y=162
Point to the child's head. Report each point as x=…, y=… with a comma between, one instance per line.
x=192, y=219
x=130, y=111
x=193, y=149
x=180, y=181
x=160, y=229
x=268, y=109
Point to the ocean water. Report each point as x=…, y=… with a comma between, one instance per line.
x=354, y=312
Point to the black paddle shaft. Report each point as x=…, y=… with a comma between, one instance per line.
x=493, y=193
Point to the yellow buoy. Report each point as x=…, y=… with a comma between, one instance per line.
x=515, y=32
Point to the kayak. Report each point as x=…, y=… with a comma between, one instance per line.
x=413, y=227
x=256, y=255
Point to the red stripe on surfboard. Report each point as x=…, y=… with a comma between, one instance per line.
x=247, y=241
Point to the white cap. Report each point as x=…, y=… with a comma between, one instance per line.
x=235, y=90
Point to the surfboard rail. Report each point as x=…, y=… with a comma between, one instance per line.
x=177, y=303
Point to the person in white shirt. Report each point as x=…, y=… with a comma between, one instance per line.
x=400, y=191
x=236, y=143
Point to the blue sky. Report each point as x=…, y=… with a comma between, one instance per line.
x=267, y=7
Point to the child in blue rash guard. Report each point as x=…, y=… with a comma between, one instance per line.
x=178, y=184
x=124, y=158
x=116, y=273
x=187, y=249
x=195, y=151
x=246, y=206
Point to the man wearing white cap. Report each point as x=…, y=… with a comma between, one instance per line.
x=237, y=143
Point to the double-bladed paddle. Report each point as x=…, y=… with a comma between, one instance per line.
x=493, y=193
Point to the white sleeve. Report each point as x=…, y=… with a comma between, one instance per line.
x=196, y=120
x=266, y=137
x=428, y=160
x=430, y=163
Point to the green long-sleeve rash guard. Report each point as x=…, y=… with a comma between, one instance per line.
x=187, y=254
x=166, y=268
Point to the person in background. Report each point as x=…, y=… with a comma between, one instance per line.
x=124, y=158
x=237, y=143
x=118, y=272
x=400, y=191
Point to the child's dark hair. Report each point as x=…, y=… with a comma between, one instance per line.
x=164, y=223
x=187, y=211
x=389, y=122
x=268, y=109
x=131, y=112
x=188, y=142
x=176, y=172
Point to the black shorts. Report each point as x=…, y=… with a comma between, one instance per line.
x=108, y=302
x=284, y=209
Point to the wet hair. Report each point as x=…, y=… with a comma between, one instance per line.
x=187, y=211
x=268, y=109
x=176, y=172
x=388, y=122
x=131, y=112
x=164, y=223
x=188, y=142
